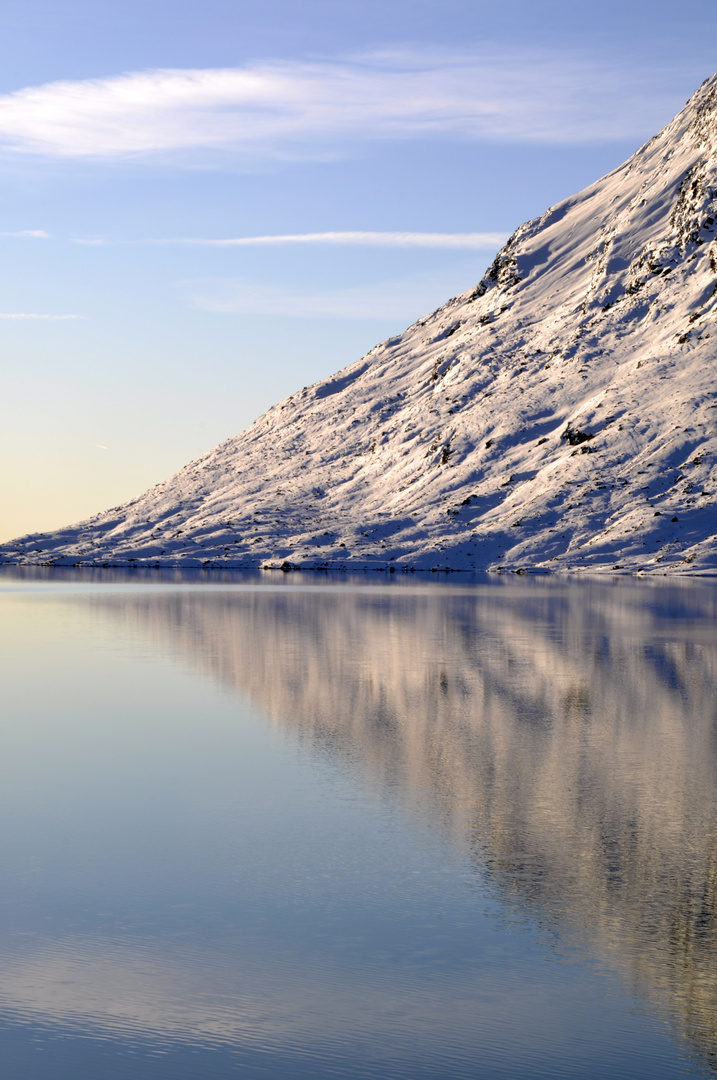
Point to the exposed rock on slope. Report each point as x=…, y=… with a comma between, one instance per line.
x=558, y=416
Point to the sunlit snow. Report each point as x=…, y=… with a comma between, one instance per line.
x=560, y=415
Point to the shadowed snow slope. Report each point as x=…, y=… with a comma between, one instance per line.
x=560, y=415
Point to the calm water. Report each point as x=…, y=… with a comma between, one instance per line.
x=357, y=830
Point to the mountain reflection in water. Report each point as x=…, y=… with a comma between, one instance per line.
x=564, y=734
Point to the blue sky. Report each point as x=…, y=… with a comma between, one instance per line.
x=207, y=205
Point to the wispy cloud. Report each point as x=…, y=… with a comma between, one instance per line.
x=403, y=300
x=462, y=241
x=29, y=234
x=273, y=109
x=90, y=241
x=35, y=315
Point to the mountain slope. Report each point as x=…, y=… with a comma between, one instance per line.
x=560, y=415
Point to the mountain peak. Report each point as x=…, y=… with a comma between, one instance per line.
x=559, y=415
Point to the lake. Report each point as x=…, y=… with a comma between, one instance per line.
x=288, y=827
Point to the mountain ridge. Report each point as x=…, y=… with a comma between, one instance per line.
x=557, y=416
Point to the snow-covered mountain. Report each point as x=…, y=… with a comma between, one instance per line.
x=560, y=415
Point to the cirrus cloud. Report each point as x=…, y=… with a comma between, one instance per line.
x=279, y=109
x=29, y=234
x=452, y=241
x=35, y=315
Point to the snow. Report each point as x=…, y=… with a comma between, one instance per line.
x=558, y=416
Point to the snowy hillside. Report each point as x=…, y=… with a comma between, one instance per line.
x=560, y=415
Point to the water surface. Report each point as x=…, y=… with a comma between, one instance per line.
x=357, y=830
